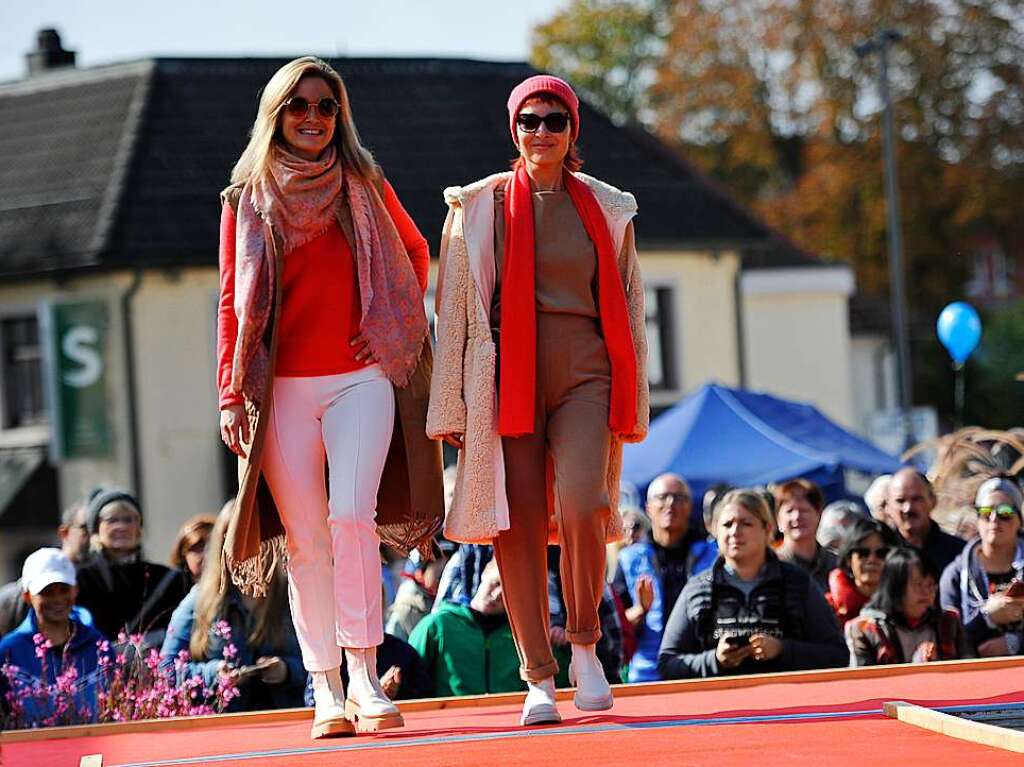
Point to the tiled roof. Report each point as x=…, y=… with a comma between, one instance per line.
x=61, y=160
x=121, y=166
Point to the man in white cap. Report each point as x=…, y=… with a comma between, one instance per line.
x=48, y=577
x=73, y=533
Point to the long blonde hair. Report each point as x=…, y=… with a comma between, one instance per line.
x=255, y=159
x=270, y=614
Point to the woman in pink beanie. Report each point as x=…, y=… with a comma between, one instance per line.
x=539, y=277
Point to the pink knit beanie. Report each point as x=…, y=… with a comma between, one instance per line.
x=533, y=86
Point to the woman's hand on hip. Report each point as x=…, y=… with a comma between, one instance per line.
x=234, y=428
x=362, y=348
x=455, y=439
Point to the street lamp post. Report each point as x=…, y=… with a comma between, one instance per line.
x=881, y=44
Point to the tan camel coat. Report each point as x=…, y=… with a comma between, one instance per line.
x=463, y=397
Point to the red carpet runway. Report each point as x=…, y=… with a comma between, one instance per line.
x=829, y=718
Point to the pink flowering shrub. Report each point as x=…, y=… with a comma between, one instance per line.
x=128, y=686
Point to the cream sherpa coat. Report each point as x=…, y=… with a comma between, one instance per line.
x=463, y=397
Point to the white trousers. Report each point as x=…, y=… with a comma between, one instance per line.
x=334, y=565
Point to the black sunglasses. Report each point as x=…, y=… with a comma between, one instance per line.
x=864, y=552
x=556, y=122
x=298, y=106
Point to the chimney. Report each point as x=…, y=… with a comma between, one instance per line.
x=49, y=53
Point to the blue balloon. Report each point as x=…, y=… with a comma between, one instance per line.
x=959, y=329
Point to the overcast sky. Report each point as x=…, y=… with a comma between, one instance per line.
x=103, y=31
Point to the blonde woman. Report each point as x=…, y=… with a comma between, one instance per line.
x=539, y=276
x=268, y=668
x=750, y=612
x=321, y=331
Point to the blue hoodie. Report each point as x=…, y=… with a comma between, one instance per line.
x=81, y=651
x=964, y=588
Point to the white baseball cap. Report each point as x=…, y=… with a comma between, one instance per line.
x=44, y=567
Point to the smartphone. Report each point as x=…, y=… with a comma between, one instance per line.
x=1015, y=589
x=248, y=672
x=737, y=641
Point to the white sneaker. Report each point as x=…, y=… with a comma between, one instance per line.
x=329, y=705
x=539, y=706
x=366, y=705
x=593, y=693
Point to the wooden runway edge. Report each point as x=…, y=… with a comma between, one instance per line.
x=956, y=727
x=504, y=699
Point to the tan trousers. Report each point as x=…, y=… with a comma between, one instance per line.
x=571, y=429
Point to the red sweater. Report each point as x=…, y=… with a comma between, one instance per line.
x=321, y=307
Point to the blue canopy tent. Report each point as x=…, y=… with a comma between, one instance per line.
x=718, y=434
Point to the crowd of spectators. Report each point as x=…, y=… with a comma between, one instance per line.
x=743, y=580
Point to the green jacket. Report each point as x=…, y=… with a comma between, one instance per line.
x=464, y=661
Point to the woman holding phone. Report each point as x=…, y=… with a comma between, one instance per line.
x=267, y=668
x=751, y=613
x=985, y=584
x=321, y=331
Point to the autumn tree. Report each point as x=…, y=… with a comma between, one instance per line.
x=770, y=97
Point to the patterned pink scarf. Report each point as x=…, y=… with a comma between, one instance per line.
x=299, y=201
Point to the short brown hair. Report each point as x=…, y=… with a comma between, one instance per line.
x=810, y=490
x=572, y=162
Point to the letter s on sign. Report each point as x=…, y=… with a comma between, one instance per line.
x=76, y=347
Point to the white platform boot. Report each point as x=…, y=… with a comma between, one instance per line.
x=366, y=705
x=593, y=693
x=539, y=706
x=329, y=705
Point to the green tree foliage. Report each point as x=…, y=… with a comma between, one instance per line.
x=994, y=396
x=608, y=48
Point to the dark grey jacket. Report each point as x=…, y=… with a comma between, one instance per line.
x=810, y=634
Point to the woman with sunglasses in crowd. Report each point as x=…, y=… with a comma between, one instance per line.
x=539, y=279
x=901, y=623
x=189, y=553
x=321, y=328
x=862, y=555
x=985, y=584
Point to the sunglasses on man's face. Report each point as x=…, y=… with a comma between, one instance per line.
x=1002, y=511
x=555, y=122
x=864, y=552
x=298, y=106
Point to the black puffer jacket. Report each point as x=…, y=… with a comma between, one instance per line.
x=785, y=603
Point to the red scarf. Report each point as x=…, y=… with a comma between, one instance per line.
x=518, y=353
